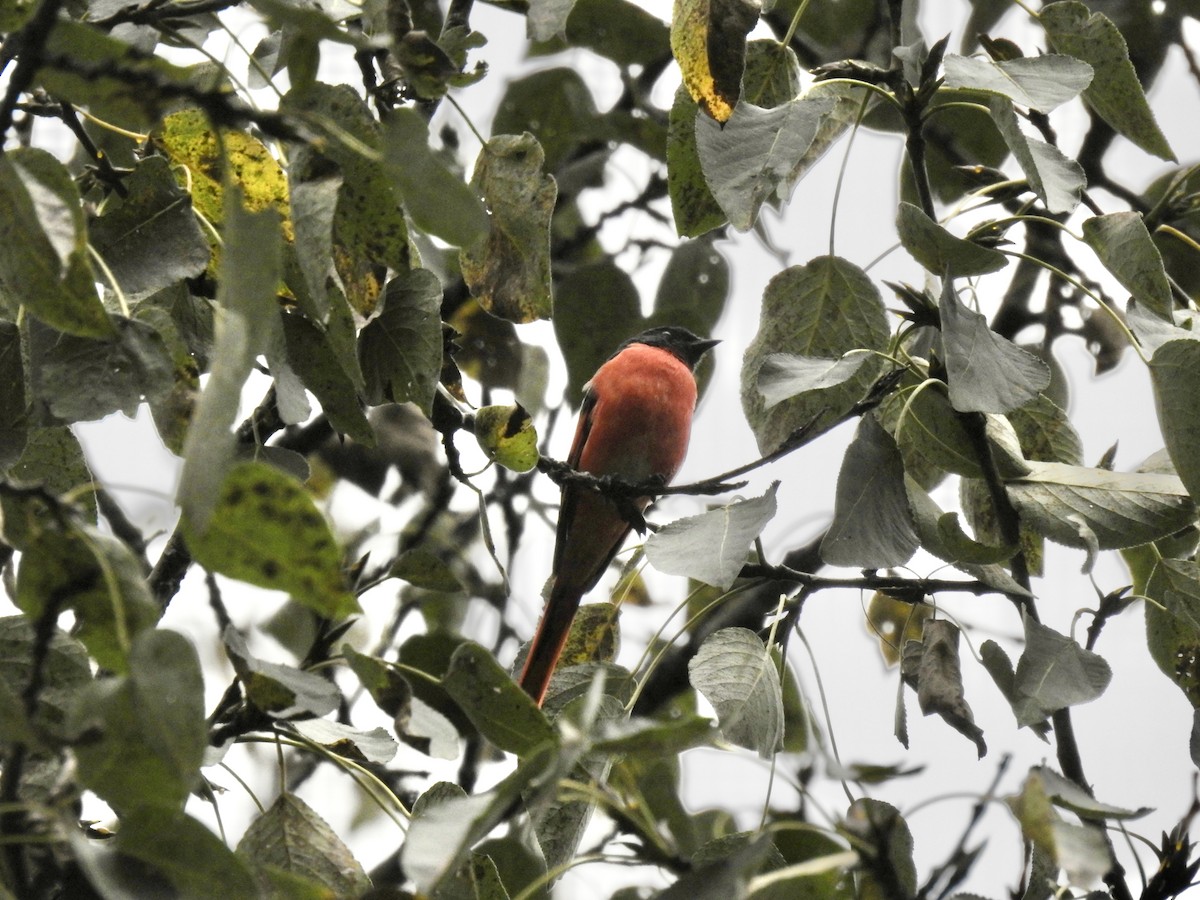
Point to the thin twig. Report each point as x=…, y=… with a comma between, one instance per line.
x=25, y=46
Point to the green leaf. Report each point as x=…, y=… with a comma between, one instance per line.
x=1054, y=673
x=83, y=379
x=985, y=372
x=1055, y=178
x=311, y=354
x=619, y=30
x=43, y=246
x=400, y=350
x=723, y=867
x=424, y=569
x=429, y=732
x=929, y=432
x=282, y=691
x=97, y=577
x=872, y=527
x=508, y=270
x=506, y=434
x=1045, y=433
x=708, y=40
x=694, y=288
x=163, y=852
x=939, y=251
x=368, y=225
x=695, y=209
x=171, y=406
x=314, y=205
x=933, y=663
x=1069, y=795
x=1172, y=626
x=15, y=13
x=1123, y=245
x=772, y=75
x=772, y=78
x=556, y=106
x=712, y=547
x=144, y=732
x=652, y=736
x=593, y=638
x=1081, y=850
x=445, y=827
x=64, y=673
x=1115, y=93
x=266, y=530
x=495, y=704
x=881, y=833
x=250, y=268
x=753, y=158
x=374, y=747
x=588, y=332
x=150, y=238
x=1175, y=374
x=785, y=375
x=438, y=201
x=823, y=309
x=115, y=80
x=53, y=459
x=942, y=536
x=1038, y=82
x=736, y=674
x=1076, y=505
x=387, y=687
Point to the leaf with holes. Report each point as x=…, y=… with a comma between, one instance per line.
x=508, y=269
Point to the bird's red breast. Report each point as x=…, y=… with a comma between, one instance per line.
x=634, y=423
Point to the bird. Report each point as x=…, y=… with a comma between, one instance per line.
x=634, y=424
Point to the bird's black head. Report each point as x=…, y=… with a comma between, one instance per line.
x=676, y=340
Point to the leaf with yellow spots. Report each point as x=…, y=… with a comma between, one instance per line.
x=202, y=156
x=266, y=531
x=595, y=635
x=708, y=39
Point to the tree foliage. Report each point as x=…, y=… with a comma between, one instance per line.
x=361, y=264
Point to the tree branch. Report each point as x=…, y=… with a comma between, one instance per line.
x=25, y=46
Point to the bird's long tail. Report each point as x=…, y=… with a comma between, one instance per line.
x=548, y=642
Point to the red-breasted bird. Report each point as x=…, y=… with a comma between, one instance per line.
x=634, y=424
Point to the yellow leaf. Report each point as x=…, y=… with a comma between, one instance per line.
x=506, y=434
x=894, y=622
x=708, y=39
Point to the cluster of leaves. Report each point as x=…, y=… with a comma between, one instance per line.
x=330, y=244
